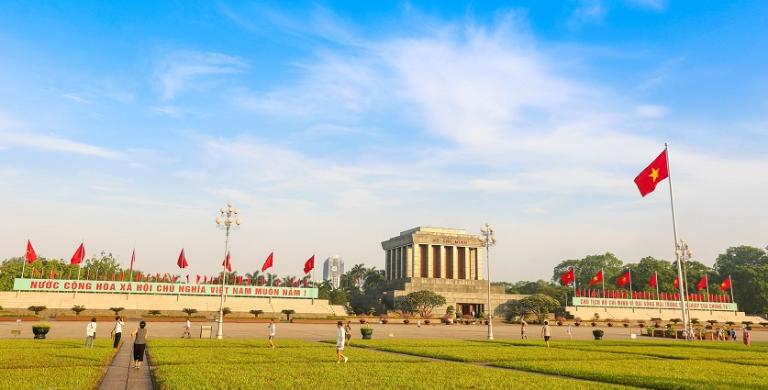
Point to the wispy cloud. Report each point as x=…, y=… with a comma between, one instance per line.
x=76, y=98
x=177, y=70
x=588, y=11
x=53, y=143
x=653, y=5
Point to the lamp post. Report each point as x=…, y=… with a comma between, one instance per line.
x=228, y=219
x=489, y=239
x=684, y=254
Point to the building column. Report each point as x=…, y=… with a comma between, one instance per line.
x=387, y=269
x=398, y=264
x=416, y=260
x=401, y=260
x=471, y=257
x=480, y=263
x=409, y=261
x=443, y=262
x=430, y=262
x=455, y=262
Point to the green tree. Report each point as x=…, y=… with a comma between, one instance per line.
x=644, y=269
x=424, y=301
x=37, y=309
x=104, y=264
x=587, y=267
x=226, y=311
x=189, y=311
x=117, y=310
x=256, y=312
x=554, y=290
x=538, y=305
x=748, y=267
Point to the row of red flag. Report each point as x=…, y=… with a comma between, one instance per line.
x=79, y=256
x=650, y=295
x=569, y=277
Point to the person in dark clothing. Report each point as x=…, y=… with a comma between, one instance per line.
x=139, y=344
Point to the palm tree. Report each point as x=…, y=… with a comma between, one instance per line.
x=253, y=276
x=271, y=278
x=256, y=312
x=289, y=281
x=356, y=274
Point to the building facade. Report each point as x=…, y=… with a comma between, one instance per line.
x=449, y=262
x=333, y=268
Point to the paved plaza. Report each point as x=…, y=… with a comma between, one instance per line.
x=327, y=331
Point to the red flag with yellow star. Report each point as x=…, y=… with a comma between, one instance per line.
x=652, y=174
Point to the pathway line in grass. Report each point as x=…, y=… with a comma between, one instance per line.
x=490, y=365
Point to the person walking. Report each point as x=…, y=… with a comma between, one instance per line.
x=187, y=327
x=139, y=344
x=341, y=337
x=546, y=332
x=271, y=328
x=746, y=336
x=523, y=325
x=117, y=331
x=569, y=330
x=348, y=332
x=90, y=333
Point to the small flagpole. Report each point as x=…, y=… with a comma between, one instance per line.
x=574, y=280
x=656, y=273
x=602, y=273
x=683, y=306
x=733, y=299
x=707, y=288
x=24, y=260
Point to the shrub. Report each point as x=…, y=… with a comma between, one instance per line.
x=189, y=311
x=256, y=312
x=154, y=313
x=362, y=321
x=288, y=313
x=117, y=310
x=675, y=320
x=764, y=324
x=406, y=321
x=609, y=322
x=695, y=321
x=384, y=320
x=78, y=309
x=427, y=321
x=594, y=324
x=598, y=334
x=37, y=309
x=226, y=311
x=730, y=323
x=748, y=323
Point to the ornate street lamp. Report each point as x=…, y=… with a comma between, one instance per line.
x=228, y=219
x=489, y=239
x=684, y=255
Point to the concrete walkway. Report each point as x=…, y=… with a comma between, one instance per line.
x=122, y=376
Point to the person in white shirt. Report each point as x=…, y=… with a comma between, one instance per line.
x=117, y=331
x=271, y=327
x=90, y=333
x=523, y=325
x=340, y=338
x=187, y=327
x=545, y=331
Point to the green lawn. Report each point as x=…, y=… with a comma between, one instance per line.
x=52, y=364
x=663, y=365
x=243, y=364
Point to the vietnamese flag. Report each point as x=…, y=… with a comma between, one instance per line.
x=197, y=279
x=657, y=171
x=78, y=256
x=182, y=262
x=240, y=280
x=726, y=284
x=654, y=280
x=268, y=263
x=31, y=256
x=597, y=278
x=677, y=282
x=568, y=277
x=702, y=283
x=625, y=279
x=309, y=265
x=227, y=263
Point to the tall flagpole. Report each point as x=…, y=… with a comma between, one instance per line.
x=683, y=306
x=656, y=274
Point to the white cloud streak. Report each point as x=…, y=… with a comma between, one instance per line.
x=177, y=70
x=53, y=143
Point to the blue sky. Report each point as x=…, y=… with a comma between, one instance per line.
x=335, y=125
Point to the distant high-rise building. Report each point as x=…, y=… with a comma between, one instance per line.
x=333, y=268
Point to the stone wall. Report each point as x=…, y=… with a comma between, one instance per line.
x=586, y=313
x=140, y=302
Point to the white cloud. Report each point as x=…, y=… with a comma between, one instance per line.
x=171, y=111
x=177, y=70
x=651, y=111
x=76, y=98
x=588, y=11
x=54, y=143
x=653, y=5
